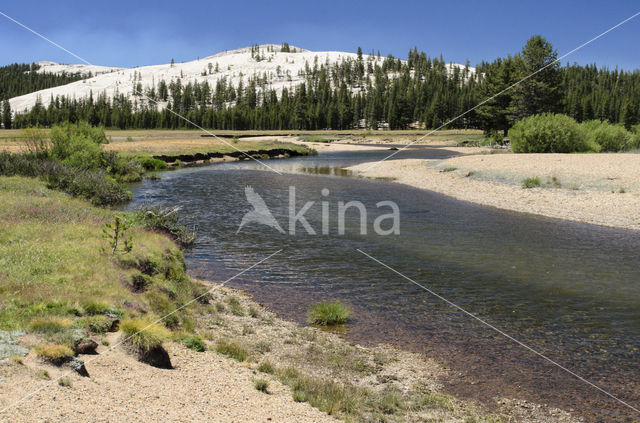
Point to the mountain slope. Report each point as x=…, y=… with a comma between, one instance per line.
x=266, y=63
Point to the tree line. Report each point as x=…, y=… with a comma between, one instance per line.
x=19, y=79
x=370, y=93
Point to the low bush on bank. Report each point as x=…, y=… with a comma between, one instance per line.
x=549, y=133
x=166, y=221
x=327, y=314
x=73, y=162
x=556, y=133
x=608, y=136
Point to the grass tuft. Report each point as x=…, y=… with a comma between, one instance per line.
x=54, y=353
x=235, y=306
x=195, y=343
x=144, y=335
x=65, y=382
x=232, y=350
x=327, y=314
x=97, y=324
x=531, y=182
x=266, y=367
x=261, y=385
x=49, y=325
x=43, y=374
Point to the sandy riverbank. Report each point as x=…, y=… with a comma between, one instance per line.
x=205, y=386
x=602, y=189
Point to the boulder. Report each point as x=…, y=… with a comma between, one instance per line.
x=156, y=357
x=86, y=346
x=78, y=366
x=82, y=344
x=115, y=322
x=9, y=345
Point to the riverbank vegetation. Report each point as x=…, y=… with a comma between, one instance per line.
x=556, y=133
x=79, y=160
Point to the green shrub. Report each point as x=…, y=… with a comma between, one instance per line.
x=121, y=168
x=232, y=350
x=150, y=164
x=609, y=137
x=19, y=164
x=261, y=385
x=167, y=221
x=76, y=165
x=78, y=145
x=331, y=313
x=531, y=182
x=97, y=324
x=549, y=133
x=195, y=343
x=143, y=334
x=94, y=185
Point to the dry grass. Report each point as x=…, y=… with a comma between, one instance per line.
x=143, y=334
x=158, y=141
x=54, y=352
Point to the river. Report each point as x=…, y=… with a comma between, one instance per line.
x=570, y=291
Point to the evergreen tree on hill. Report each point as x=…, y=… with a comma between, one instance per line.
x=542, y=91
x=6, y=114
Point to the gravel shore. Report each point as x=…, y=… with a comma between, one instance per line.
x=601, y=189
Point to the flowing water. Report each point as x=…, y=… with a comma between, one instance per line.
x=571, y=291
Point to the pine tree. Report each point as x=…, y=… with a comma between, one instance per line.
x=495, y=113
x=541, y=92
x=6, y=114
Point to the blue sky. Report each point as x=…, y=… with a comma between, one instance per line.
x=142, y=32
